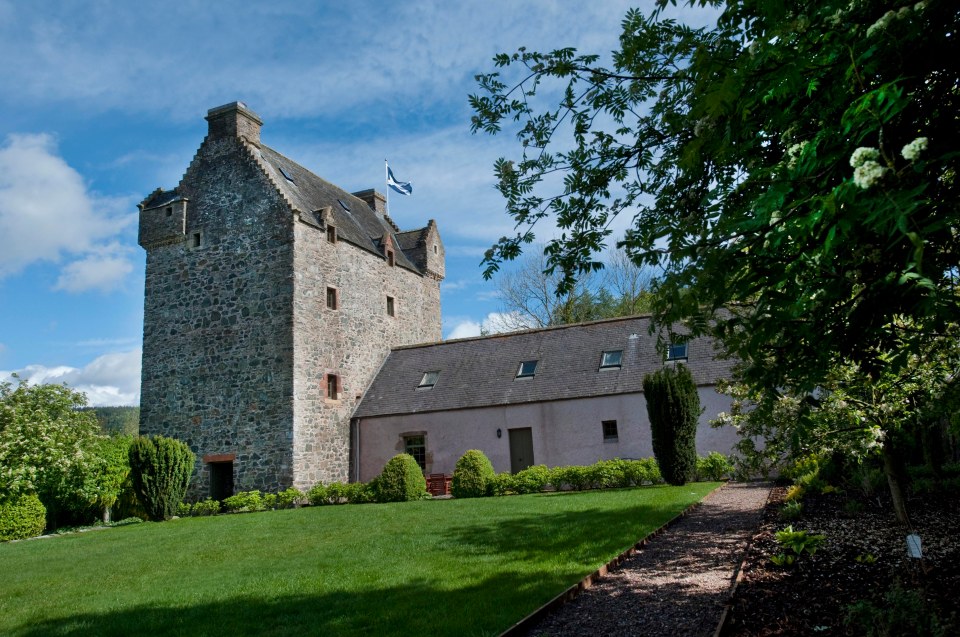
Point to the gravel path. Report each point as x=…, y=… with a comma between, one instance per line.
x=679, y=583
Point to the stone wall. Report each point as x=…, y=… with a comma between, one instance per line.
x=218, y=342
x=351, y=341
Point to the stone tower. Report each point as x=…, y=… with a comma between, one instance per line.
x=271, y=299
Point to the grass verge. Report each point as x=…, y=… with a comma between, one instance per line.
x=453, y=567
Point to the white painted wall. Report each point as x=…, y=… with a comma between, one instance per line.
x=564, y=432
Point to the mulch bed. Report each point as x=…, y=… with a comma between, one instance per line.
x=812, y=597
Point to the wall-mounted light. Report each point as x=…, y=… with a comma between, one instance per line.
x=499, y=433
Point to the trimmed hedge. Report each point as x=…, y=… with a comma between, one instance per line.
x=473, y=475
x=400, y=481
x=673, y=407
x=160, y=469
x=22, y=517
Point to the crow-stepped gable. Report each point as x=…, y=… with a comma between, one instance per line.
x=272, y=298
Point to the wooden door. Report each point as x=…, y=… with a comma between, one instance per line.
x=521, y=449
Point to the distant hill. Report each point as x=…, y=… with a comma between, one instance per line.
x=125, y=420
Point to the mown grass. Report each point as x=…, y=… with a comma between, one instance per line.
x=454, y=567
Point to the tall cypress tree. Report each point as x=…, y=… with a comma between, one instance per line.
x=160, y=468
x=673, y=407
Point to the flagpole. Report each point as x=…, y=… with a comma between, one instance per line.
x=386, y=177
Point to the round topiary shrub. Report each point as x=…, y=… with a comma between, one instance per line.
x=22, y=517
x=401, y=480
x=473, y=476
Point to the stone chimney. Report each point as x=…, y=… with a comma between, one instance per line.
x=234, y=120
x=376, y=201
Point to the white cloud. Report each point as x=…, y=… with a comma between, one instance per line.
x=104, y=271
x=47, y=214
x=109, y=380
x=493, y=323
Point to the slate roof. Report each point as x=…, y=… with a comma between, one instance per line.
x=308, y=194
x=481, y=372
x=159, y=198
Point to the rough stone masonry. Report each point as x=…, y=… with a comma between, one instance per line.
x=271, y=299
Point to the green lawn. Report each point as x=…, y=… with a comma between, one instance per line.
x=444, y=567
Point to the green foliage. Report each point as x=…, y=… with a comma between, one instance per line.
x=118, y=420
x=337, y=493
x=736, y=149
x=902, y=612
x=799, y=542
x=713, y=467
x=531, y=480
x=269, y=501
x=21, y=517
x=206, y=507
x=400, y=481
x=161, y=469
x=317, y=495
x=244, y=502
x=289, y=498
x=673, y=407
x=645, y=470
x=49, y=447
x=472, y=475
x=365, y=493
x=791, y=510
x=502, y=483
x=574, y=477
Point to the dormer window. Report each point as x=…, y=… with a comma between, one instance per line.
x=677, y=352
x=331, y=234
x=527, y=369
x=611, y=359
x=429, y=380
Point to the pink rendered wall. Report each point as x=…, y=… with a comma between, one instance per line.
x=564, y=432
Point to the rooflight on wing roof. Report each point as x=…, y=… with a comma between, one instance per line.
x=285, y=174
x=343, y=205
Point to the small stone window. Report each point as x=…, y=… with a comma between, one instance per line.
x=435, y=250
x=611, y=359
x=196, y=240
x=390, y=259
x=527, y=369
x=677, y=352
x=429, y=379
x=610, y=431
x=416, y=446
x=333, y=302
x=331, y=233
x=391, y=309
x=333, y=387
x=169, y=211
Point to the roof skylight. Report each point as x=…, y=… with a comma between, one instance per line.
x=429, y=379
x=527, y=369
x=343, y=205
x=611, y=359
x=285, y=174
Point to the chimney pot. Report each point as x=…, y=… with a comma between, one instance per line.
x=234, y=120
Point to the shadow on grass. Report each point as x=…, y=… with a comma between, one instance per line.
x=417, y=608
x=545, y=554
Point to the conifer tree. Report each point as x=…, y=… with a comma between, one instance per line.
x=673, y=407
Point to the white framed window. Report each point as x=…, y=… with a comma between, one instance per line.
x=611, y=359
x=677, y=352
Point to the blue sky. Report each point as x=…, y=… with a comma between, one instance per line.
x=101, y=102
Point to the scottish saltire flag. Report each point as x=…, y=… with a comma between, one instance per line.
x=403, y=187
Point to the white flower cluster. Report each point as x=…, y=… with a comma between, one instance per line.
x=794, y=152
x=867, y=169
x=887, y=18
x=911, y=152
